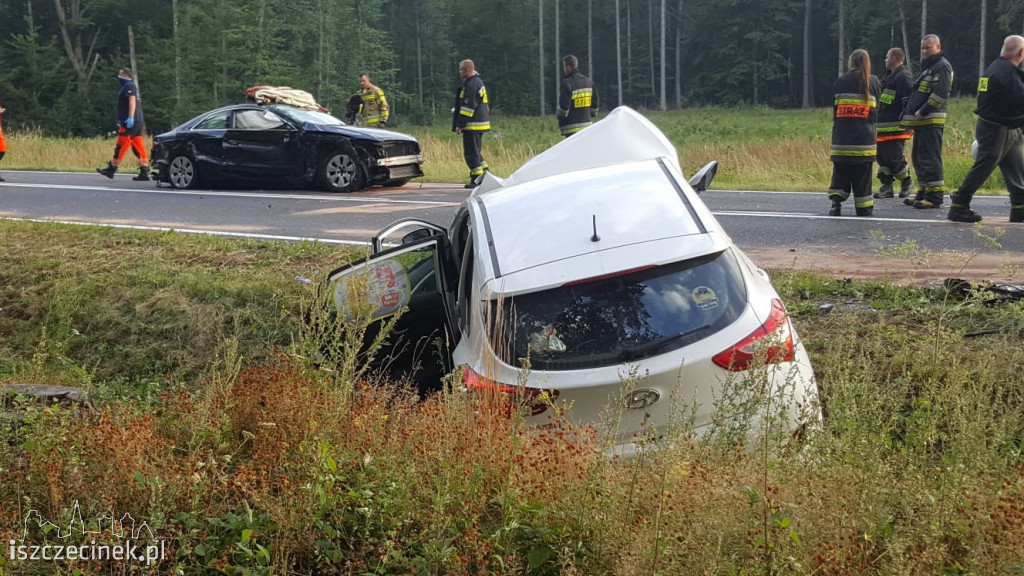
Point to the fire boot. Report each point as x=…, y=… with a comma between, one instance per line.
x=1016, y=214
x=143, y=175
x=837, y=208
x=885, y=191
x=906, y=187
x=108, y=171
x=962, y=213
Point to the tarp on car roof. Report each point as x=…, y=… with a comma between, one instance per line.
x=622, y=136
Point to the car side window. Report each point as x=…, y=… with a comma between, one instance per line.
x=218, y=121
x=258, y=120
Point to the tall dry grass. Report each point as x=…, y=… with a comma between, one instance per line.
x=757, y=148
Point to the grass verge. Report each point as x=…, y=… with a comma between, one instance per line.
x=246, y=457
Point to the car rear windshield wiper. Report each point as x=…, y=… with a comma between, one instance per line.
x=635, y=352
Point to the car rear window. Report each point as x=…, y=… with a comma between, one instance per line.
x=621, y=318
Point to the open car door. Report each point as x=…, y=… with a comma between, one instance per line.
x=408, y=281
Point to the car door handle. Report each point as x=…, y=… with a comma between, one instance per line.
x=231, y=142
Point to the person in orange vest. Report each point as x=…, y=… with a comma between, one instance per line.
x=3, y=143
x=892, y=137
x=130, y=127
x=853, y=135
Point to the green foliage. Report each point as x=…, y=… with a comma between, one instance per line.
x=198, y=54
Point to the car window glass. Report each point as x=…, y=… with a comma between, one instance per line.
x=384, y=285
x=258, y=120
x=308, y=116
x=611, y=320
x=218, y=121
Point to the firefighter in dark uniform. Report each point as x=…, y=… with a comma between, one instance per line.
x=130, y=127
x=577, y=99
x=471, y=117
x=854, y=115
x=926, y=115
x=998, y=132
x=892, y=163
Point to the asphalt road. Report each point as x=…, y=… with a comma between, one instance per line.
x=760, y=220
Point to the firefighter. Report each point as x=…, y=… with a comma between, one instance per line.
x=130, y=127
x=926, y=115
x=471, y=117
x=853, y=135
x=998, y=133
x=577, y=100
x=375, y=105
x=892, y=163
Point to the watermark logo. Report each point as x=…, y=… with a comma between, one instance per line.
x=125, y=541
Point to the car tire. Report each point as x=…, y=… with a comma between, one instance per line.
x=397, y=183
x=182, y=172
x=342, y=172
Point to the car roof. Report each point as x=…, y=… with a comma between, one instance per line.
x=556, y=217
x=622, y=136
x=618, y=179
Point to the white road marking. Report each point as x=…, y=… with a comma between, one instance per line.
x=807, y=216
x=197, y=231
x=332, y=198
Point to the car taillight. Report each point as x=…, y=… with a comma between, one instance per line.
x=738, y=357
x=536, y=400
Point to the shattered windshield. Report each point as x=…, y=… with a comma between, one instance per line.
x=307, y=116
x=622, y=318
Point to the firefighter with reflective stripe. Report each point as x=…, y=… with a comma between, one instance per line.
x=892, y=137
x=471, y=117
x=853, y=135
x=375, y=105
x=998, y=134
x=926, y=115
x=577, y=99
x=130, y=127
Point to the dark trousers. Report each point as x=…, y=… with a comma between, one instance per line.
x=926, y=155
x=855, y=177
x=997, y=146
x=892, y=164
x=472, y=143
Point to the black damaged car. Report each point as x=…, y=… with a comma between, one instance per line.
x=275, y=142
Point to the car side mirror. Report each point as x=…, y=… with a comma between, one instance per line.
x=417, y=235
x=701, y=181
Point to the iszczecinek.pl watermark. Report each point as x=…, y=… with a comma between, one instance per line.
x=130, y=543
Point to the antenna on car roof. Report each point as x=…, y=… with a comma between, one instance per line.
x=595, y=237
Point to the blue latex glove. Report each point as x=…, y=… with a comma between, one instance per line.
x=129, y=122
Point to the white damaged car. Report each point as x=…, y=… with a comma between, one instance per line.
x=595, y=260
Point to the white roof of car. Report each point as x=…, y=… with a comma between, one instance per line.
x=622, y=136
x=620, y=179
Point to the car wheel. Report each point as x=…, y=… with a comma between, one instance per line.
x=396, y=183
x=182, y=173
x=341, y=172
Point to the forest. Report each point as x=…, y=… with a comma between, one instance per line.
x=59, y=58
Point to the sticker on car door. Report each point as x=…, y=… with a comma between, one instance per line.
x=379, y=290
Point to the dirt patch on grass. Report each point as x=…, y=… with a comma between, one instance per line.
x=998, y=267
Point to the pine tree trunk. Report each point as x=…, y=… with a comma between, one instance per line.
x=924, y=18
x=679, y=58
x=540, y=35
x=807, y=103
x=664, y=99
x=981, y=44
x=842, y=35
x=618, y=49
